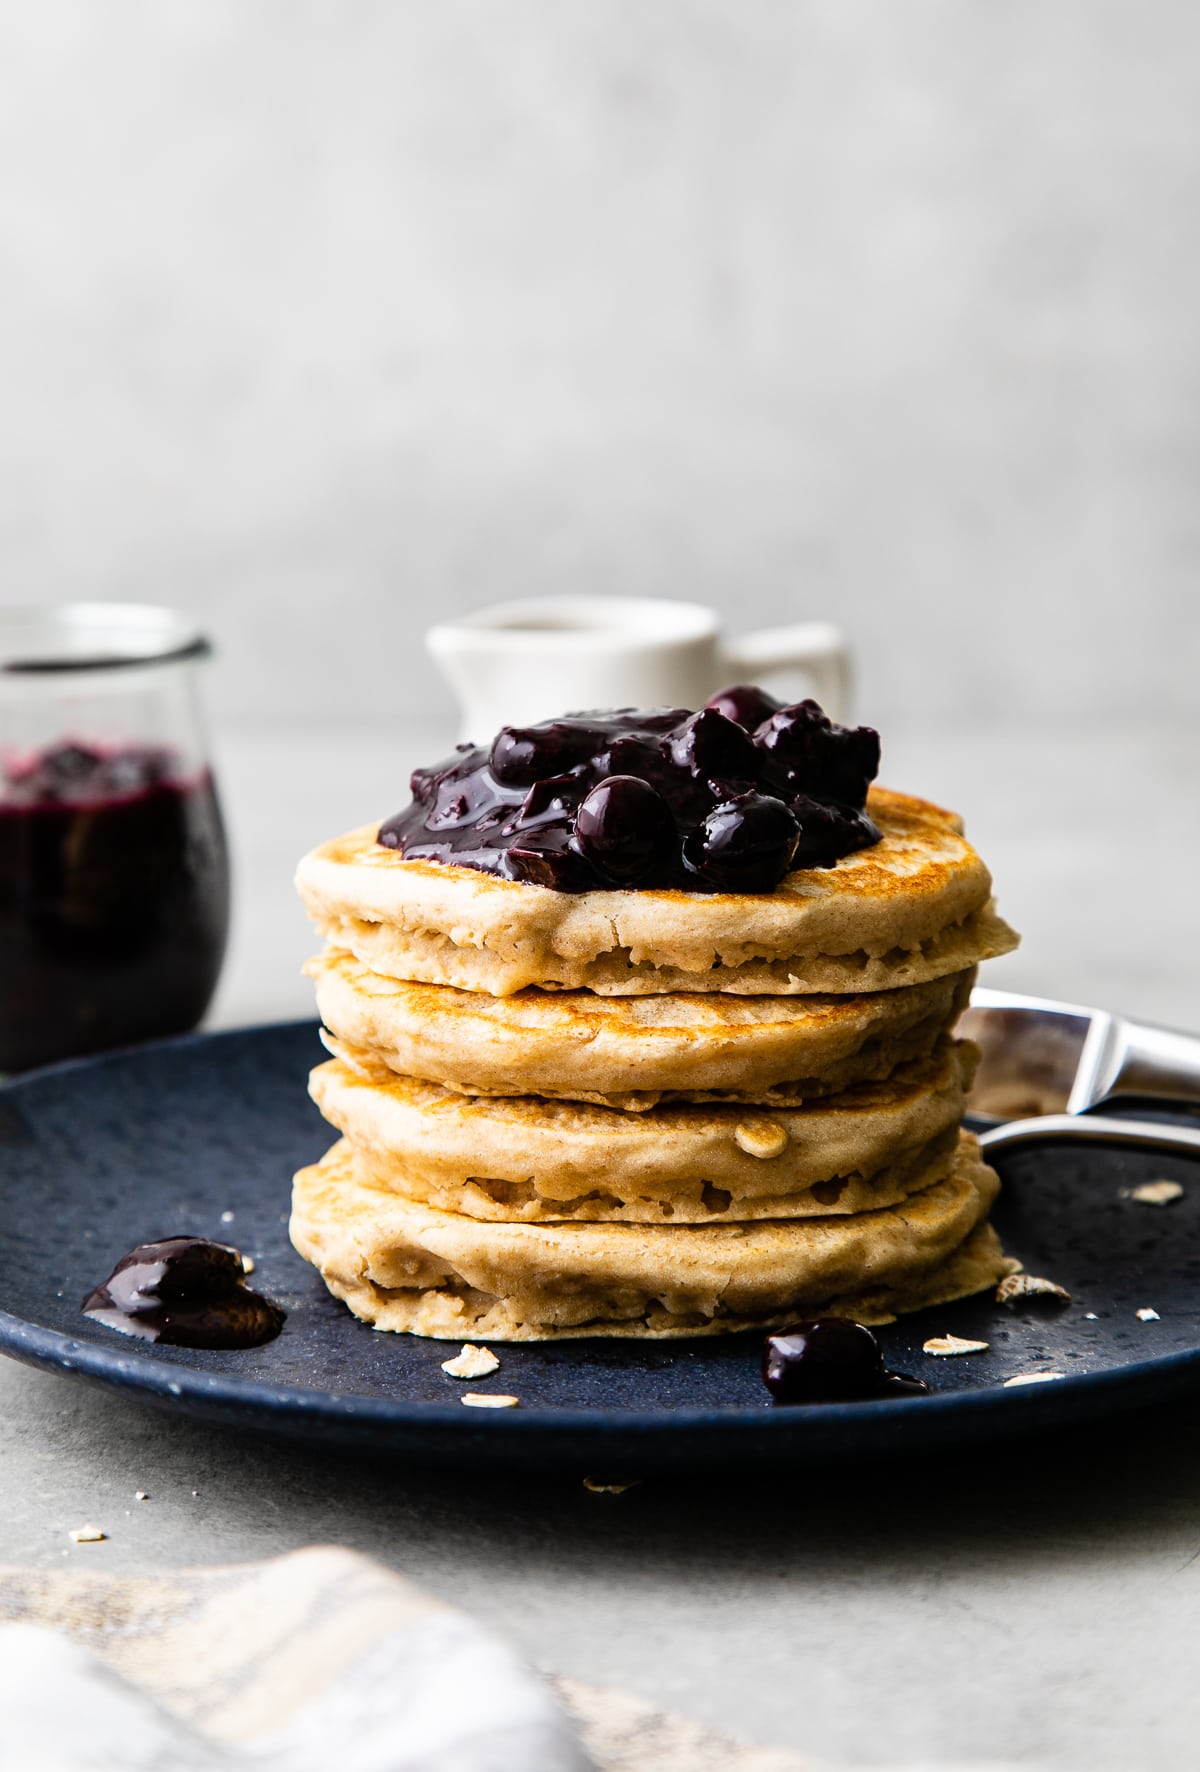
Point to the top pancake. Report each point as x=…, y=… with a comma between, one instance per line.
x=914, y=907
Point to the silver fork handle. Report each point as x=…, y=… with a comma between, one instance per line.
x=1091, y=1129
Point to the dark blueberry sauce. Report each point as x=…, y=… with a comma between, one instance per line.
x=831, y=1360
x=114, y=900
x=728, y=799
x=187, y=1291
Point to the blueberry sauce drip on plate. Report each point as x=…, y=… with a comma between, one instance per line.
x=187, y=1291
x=728, y=799
x=831, y=1360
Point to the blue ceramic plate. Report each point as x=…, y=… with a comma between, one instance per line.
x=173, y=1138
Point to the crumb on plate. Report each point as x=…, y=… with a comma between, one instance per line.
x=1154, y=1193
x=1028, y=1288
x=942, y=1346
x=472, y=1362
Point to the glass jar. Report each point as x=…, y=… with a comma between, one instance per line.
x=114, y=873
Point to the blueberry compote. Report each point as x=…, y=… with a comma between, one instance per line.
x=114, y=900
x=831, y=1360
x=187, y=1291
x=728, y=799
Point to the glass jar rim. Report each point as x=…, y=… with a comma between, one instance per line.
x=94, y=637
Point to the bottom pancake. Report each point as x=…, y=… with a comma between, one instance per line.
x=408, y=1267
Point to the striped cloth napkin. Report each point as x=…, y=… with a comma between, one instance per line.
x=310, y=1661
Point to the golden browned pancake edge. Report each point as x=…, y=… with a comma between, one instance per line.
x=915, y=906
x=414, y=1269
x=523, y=1159
x=630, y=1051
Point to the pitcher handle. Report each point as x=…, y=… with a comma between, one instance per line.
x=816, y=647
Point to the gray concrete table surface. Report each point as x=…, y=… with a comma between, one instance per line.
x=1038, y=1602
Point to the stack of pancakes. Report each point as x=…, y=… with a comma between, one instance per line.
x=649, y=1113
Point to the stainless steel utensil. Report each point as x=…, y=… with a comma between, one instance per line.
x=1092, y=1128
x=1047, y=1058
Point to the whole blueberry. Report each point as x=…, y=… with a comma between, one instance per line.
x=546, y=856
x=625, y=830
x=648, y=756
x=521, y=755
x=827, y=1360
x=710, y=746
x=745, y=703
x=828, y=831
x=804, y=752
x=744, y=845
x=633, y=754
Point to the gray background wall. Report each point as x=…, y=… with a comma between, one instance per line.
x=324, y=319
x=321, y=317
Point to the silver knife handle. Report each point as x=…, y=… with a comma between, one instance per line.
x=1132, y=1059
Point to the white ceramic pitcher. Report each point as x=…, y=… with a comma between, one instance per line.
x=516, y=663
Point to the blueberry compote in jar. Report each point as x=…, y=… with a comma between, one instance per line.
x=114, y=875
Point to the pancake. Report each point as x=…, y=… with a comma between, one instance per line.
x=633, y=1051
x=524, y=1160
x=412, y=1268
x=914, y=907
